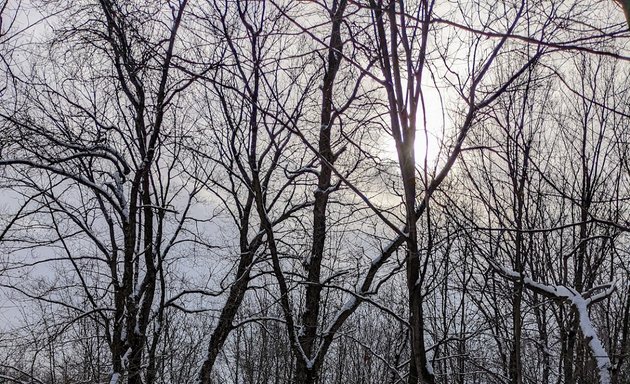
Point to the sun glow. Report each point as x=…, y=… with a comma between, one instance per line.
x=429, y=132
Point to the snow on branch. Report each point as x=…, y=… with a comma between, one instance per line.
x=580, y=302
x=115, y=378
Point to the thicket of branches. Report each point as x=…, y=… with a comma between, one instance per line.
x=263, y=191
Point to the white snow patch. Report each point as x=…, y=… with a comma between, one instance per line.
x=115, y=378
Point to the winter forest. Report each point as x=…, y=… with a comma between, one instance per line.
x=314, y=191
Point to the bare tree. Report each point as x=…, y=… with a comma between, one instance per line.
x=95, y=154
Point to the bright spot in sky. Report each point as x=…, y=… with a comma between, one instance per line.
x=427, y=143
